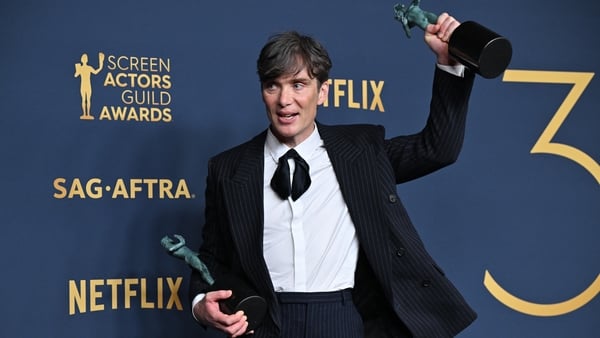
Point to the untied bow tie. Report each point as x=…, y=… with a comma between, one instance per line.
x=281, y=179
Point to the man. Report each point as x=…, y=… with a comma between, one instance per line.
x=340, y=259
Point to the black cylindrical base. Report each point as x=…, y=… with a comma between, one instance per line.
x=243, y=299
x=480, y=49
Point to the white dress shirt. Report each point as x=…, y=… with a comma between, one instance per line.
x=310, y=244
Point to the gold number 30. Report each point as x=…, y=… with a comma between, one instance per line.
x=545, y=145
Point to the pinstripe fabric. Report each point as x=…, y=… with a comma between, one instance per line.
x=320, y=315
x=395, y=278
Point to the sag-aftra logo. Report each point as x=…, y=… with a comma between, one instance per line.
x=121, y=188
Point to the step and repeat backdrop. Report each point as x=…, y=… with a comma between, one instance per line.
x=109, y=111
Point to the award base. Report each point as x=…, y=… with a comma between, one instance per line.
x=480, y=49
x=243, y=299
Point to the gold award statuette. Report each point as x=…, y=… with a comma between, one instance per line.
x=243, y=297
x=475, y=46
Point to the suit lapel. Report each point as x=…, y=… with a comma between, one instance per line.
x=356, y=168
x=243, y=195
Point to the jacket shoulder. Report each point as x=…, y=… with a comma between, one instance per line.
x=353, y=133
x=257, y=142
x=248, y=152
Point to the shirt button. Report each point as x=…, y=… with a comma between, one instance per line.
x=400, y=252
x=426, y=283
x=392, y=198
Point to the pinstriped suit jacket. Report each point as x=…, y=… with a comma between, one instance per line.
x=396, y=278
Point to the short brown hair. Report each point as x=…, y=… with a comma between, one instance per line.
x=288, y=53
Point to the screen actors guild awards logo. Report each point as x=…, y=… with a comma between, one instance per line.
x=134, y=88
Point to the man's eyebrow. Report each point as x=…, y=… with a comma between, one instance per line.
x=300, y=79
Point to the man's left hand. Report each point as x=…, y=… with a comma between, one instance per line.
x=438, y=35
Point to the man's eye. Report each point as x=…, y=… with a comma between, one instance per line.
x=298, y=85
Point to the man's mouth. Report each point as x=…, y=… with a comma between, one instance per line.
x=286, y=116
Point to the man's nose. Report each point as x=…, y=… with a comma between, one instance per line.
x=286, y=96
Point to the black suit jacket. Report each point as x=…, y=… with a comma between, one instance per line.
x=396, y=279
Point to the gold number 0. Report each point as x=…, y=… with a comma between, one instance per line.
x=545, y=145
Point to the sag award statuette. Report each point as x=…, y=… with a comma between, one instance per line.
x=243, y=297
x=473, y=45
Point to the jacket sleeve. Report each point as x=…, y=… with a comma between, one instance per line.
x=439, y=143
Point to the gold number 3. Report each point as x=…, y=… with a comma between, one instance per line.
x=545, y=145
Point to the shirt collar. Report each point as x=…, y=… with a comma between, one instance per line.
x=306, y=149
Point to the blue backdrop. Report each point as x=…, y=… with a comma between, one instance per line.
x=85, y=201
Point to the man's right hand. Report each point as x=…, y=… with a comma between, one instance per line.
x=207, y=312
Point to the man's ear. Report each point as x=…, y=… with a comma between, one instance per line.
x=323, y=92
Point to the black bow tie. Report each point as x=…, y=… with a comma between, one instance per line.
x=281, y=179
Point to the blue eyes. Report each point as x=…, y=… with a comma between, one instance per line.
x=273, y=87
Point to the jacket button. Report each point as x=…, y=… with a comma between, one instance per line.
x=400, y=252
x=426, y=283
x=392, y=198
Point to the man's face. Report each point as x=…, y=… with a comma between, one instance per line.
x=291, y=102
